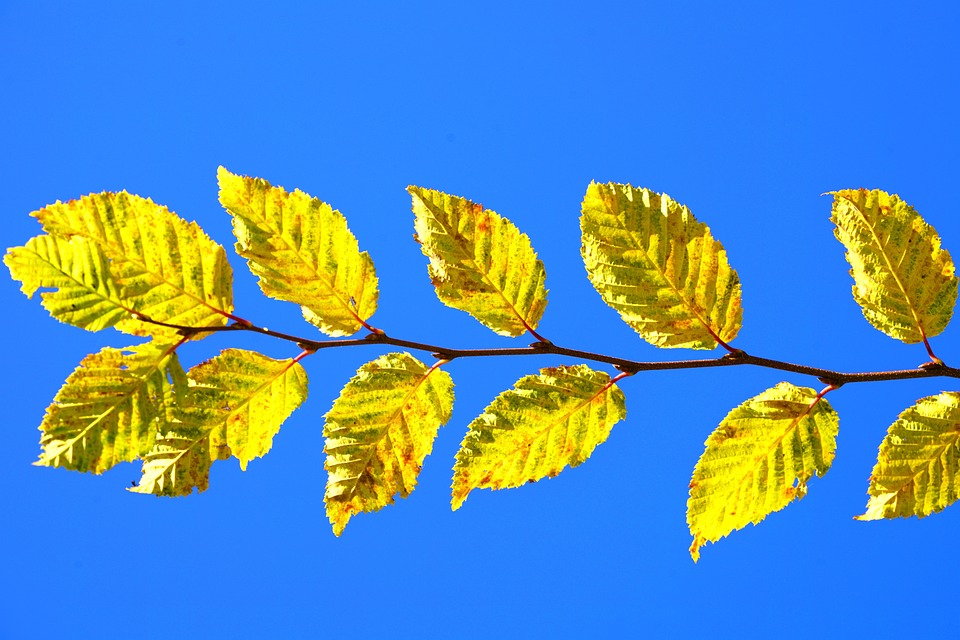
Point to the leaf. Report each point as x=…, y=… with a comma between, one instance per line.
x=86, y=296
x=903, y=281
x=234, y=405
x=379, y=431
x=758, y=460
x=659, y=268
x=480, y=262
x=918, y=467
x=302, y=252
x=179, y=462
x=166, y=268
x=545, y=423
x=110, y=408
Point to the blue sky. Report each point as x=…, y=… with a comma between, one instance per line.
x=745, y=113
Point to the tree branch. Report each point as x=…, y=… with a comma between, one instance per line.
x=932, y=369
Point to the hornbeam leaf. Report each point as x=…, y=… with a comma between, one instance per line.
x=903, y=281
x=480, y=262
x=234, y=405
x=166, y=268
x=658, y=267
x=244, y=397
x=379, y=431
x=179, y=462
x=545, y=423
x=302, y=252
x=759, y=460
x=110, y=408
x=918, y=467
x=87, y=295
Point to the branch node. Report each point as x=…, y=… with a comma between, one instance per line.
x=833, y=383
x=934, y=364
x=735, y=354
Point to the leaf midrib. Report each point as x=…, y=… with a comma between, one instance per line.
x=638, y=246
x=375, y=443
x=295, y=250
x=59, y=268
x=114, y=253
x=911, y=478
x=205, y=432
x=773, y=447
x=881, y=249
x=561, y=420
x=470, y=257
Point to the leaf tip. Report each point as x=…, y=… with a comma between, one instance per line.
x=138, y=488
x=458, y=497
x=698, y=541
x=415, y=191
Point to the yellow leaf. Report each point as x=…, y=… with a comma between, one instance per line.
x=759, y=460
x=918, y=467
x=545, y=423
x=379, y=431
x=234, y=405
x=179, y=462
x=659, y=268
x=165, y=267
x=302, y=252
x=903, y=281
x=87, y=295
x=480, y=262
x=110, y=408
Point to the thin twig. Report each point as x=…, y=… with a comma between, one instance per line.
x=932, y=369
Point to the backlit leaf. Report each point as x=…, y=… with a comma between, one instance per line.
x=545, y=423
x=759, y=460
x=903, y=281
x=302, y=252
x=110, y=408
x=379, y=431
x=234, y=405
x=918, y=467
x=480, y=262
x=658, y=267
x=179, y=462
x=86, y=295
x=165, y=267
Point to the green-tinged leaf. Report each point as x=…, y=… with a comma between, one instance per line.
x=379, y=431
x=110, y=408
x=903, y=281
x=165, y=267
x=179, y=462
x=302, y=252
x=918, y=468
x=234, y=405
x=545, y=423
x=480, y=262
x=86, y=296
x=759, y=460
x=658, y=267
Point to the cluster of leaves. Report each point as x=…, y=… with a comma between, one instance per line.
x=119, y=260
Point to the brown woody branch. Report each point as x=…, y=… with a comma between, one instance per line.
x=931, y=369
